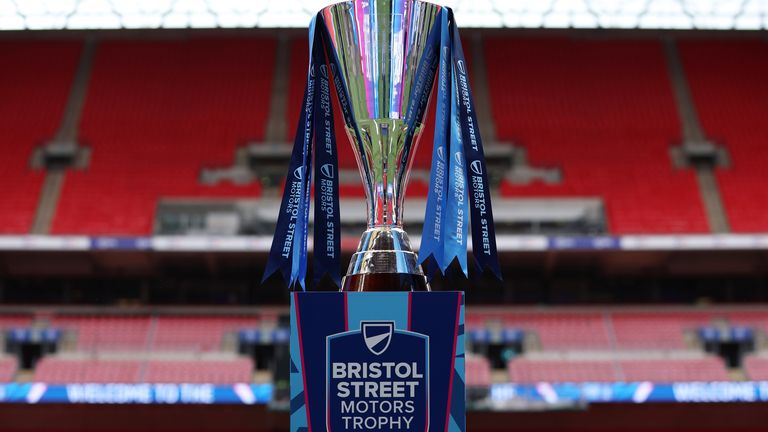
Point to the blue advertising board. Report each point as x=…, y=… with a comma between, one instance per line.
x=631, y=392
x=123, y=393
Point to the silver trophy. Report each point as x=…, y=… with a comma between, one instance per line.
x=379, y=44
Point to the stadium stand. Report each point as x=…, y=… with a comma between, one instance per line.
x=604, y=145
x=34, y=92
x=610, y=134
x=156, y=113
x=732, y=113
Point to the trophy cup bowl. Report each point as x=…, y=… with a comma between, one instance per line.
x=378, y=44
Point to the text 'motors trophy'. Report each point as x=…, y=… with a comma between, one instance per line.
x=379, y=45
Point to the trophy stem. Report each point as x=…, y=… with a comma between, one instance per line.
x=384, y=260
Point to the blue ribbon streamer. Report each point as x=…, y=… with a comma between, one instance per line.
x=483, y=229
x=432, y=242
x=327, y=235
x=457, y=205
x=281, y=253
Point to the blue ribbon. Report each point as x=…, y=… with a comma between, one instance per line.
x=315, y=142
x=432, y=242
x=459, y=192
x=281, y=253
x=289, y=246
x=327, y=226
x=457, y=205
x=483, y=229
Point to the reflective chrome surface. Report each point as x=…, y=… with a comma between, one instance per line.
x=379, y=44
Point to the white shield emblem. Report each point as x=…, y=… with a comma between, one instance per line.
x=377, y=335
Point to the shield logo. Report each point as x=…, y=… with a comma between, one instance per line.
x=377, y=335
x=476, y=167
x=357, y=357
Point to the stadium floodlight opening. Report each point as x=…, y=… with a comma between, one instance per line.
x=174, y=14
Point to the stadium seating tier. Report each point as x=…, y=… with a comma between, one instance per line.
x=603, y=112
x=727, y=81
x=157, y=112
x=63, y=371
x=34, y=92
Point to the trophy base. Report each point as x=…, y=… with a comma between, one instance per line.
x=384, y=261
x=371, y=282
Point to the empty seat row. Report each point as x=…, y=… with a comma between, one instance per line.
x=616, y=330
x=527, y=371
x=204, y=333
x=63, y=371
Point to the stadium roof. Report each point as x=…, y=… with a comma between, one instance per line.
x=150, y=14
